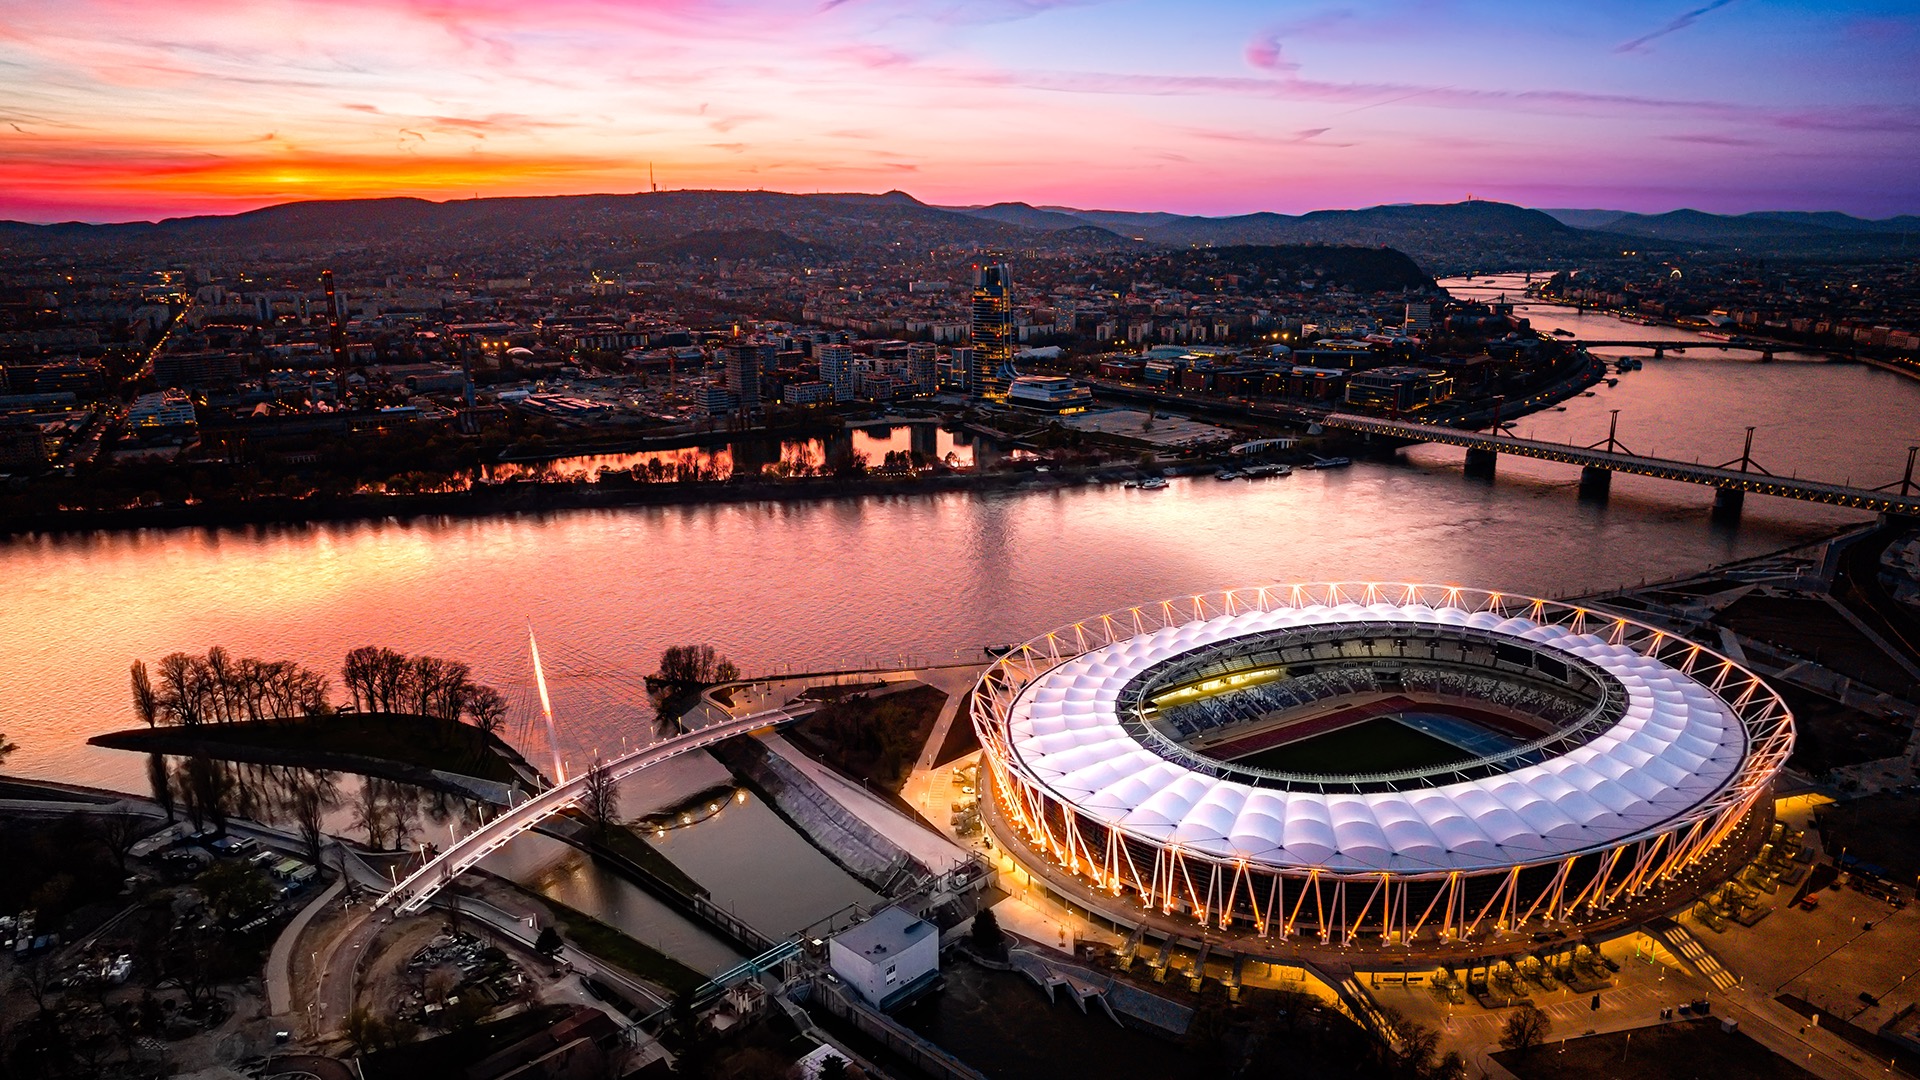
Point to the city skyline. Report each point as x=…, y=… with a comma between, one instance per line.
x=1219, y=109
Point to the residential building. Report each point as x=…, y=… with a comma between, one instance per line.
x=836, y=369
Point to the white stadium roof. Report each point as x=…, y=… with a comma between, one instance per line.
x=1676, y=746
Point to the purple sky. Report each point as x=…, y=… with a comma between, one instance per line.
x=112, y=109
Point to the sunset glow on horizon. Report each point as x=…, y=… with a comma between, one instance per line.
x=113, y=110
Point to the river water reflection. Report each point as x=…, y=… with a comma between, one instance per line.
x=924, y=442
x=878, y=578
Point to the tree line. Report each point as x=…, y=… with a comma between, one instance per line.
x=386, y=680
x=184, y=690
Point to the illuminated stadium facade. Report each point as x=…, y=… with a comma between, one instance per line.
x=1353, y=765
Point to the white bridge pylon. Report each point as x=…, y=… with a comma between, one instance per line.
x=412, y=893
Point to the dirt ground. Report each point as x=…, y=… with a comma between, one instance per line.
x=1695, y=1050
x=1812, y=628
x=384, y=984
x=1829, y=735
x=1882, y=829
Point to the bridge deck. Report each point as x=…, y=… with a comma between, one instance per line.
x=1686, y=472
x=412, y=893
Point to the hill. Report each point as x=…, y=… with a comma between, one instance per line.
x=613, y=230
x=759, y=245
x=1766, y=232
x=609, y=229
x=1362, y=269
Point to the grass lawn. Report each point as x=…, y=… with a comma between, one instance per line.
x=1382, y=744
x=593, y=936
x=875, y=738
x=625, y=843
x=418, y=741
x=961, y=739
x=1689, y=1050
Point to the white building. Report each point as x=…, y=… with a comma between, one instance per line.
x=887, y=959
x=162, y=409
x=1048, y=393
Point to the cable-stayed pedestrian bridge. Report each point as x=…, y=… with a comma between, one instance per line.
x=412, y=893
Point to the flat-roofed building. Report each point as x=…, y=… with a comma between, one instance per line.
x=887, y=959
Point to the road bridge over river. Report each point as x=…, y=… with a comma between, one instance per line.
x=411, y=894
x=1597, y=463
x=1661, y=347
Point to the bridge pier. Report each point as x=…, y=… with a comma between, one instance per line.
x=1480, y=461
x=1595, y=482
x=1727, y=501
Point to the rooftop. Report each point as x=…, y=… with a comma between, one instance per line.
x=889, y=932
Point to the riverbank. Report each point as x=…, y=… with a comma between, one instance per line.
x=1899, y=365
x=436, y=754
x=514, y=498
x=526, y=496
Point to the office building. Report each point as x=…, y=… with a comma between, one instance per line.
x=991, y=330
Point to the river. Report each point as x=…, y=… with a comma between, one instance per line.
x=880, y=577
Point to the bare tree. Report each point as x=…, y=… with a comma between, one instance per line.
x=403, y=811
x=157, y=780
x=600, y=797
x=179, y=696
x=6, y=748
x=1527, y=1027
x=221, y=672
x=358, y=674
x=370, y=814
x=146, y=703
x=211, y=787
x=487, y=708
x=121, y=828
x=314, y=793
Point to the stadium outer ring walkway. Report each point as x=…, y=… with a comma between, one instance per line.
x=411, y=894
x=1308, y=912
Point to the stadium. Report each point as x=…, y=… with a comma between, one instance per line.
x=1420, y=768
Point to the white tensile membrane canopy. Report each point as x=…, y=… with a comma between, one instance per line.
x=1676, y=746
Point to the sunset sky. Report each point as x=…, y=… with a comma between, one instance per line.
x=117, y=110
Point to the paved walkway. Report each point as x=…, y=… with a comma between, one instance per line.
x=1634, y=1002
x=929, y=848
x=280, y=960
x=954, y=682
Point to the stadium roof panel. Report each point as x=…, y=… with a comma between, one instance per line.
x=1675, y=745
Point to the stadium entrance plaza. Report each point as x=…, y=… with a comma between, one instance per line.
x=1827, y=956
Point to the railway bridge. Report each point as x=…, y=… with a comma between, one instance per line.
x=1732, y=480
